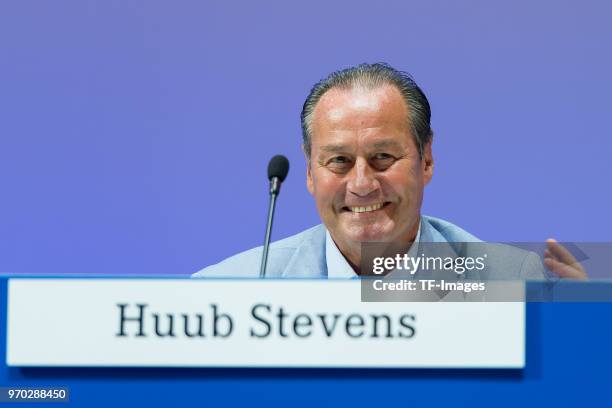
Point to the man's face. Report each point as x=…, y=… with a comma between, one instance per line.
x=365, y=172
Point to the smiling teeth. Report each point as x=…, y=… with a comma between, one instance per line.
x=366, y=209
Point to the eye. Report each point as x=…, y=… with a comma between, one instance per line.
x=382, y=156
x=339, y=159
x=382, y=161
x=339, y=163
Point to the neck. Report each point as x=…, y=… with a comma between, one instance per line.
x=351, y=251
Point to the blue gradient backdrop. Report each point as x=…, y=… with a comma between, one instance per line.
x=134, y=135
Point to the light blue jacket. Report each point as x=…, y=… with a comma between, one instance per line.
x=303, y=255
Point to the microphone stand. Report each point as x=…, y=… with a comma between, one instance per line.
x=274, y=190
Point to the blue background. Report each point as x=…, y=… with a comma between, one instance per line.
x=134, y=137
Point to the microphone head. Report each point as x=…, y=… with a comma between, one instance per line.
x=278, y=167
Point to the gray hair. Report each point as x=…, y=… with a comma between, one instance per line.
x=371, y=76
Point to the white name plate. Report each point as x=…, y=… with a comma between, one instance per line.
x=250, y=323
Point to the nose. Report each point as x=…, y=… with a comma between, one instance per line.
x=362, y=179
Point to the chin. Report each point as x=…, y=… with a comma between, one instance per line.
x=370, y=233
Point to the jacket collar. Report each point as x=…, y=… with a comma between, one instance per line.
x=308, y=259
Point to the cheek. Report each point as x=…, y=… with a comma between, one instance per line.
x=406, y=186
x=401, y=184
x=325, y=186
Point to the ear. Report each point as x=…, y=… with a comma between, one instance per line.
x=427, y=162
x=309, y=182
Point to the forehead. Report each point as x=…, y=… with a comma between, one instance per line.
x=360, y=108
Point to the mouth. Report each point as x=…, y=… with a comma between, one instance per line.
x=365, y=209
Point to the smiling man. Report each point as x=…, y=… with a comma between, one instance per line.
x=365, y=169
x=368, y=145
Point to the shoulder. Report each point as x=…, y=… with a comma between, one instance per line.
x=504, y=261
x=439, y=230
x=246, y=264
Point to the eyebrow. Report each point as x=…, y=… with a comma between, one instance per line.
x=386, y=143
x=334, y=148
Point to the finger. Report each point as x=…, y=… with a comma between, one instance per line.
x=559, y=252
x=563, y=270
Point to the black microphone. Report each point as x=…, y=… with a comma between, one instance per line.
x=277, y=171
